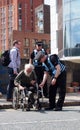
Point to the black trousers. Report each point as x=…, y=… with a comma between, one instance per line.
x=59, y=87
x=11, y=83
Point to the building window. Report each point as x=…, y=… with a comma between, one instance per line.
x=39, y=18
x=20, y=16
x=34, y=42
x=71, y=20
x=20, y=11
x=40, y=15
x=20, y=24
x=26, y=42
x=26, y=53
x=10, y=8
x=19, y=6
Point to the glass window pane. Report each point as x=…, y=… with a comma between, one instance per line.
x=67, y=35
x=66, y=11
x=75, y=32
x=75, y=9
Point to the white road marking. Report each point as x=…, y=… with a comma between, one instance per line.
x=32, y=122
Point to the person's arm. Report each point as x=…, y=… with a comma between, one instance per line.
x=57, y=67
x=44, y=79
x=34, y=78
x=13, y=56
x=17, y=81
x=30, y=61
x=31, y=58
x=18, y=78
x=57, y=71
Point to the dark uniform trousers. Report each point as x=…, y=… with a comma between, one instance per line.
x=59, y=87
x=39, y=70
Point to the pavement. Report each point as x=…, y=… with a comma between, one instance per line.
x=71, y=99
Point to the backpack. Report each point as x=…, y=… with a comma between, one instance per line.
x=5, y=58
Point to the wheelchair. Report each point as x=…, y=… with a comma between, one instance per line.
x=24, y=99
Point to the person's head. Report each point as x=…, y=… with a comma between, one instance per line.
x=40, y=57
x=28, y=68
x=17, y=44
x=38, y=46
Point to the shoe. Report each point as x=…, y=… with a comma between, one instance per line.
x=49, y=108
x=27, y=109
x=58, y=109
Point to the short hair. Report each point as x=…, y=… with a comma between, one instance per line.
x=27, y=66
x=15, y=42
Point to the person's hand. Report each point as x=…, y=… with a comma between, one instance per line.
x=41, y=85
x=15, y=72
x=53, y=81
x=21, y=87
x=33, y=82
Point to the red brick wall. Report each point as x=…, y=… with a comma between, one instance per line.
x=22, y=35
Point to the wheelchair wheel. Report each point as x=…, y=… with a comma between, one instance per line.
x=22, y=105
x=23, y=100
x=15, y=102
x=22, y=97
x=37, y=105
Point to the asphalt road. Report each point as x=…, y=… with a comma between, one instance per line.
x=68, y=119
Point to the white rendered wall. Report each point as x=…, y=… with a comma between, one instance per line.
x=53, y=27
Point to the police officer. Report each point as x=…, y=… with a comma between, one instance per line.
x=38, y=48
x=57, y=70
x=38, y=67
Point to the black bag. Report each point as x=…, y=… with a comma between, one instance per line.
x=5, y=58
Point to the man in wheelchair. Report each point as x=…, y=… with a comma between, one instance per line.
x=26, y=80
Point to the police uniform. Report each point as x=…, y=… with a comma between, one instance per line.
x=60, y=85
x=39, y=69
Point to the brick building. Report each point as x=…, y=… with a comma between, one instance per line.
x=28, y=19
x=28, y=41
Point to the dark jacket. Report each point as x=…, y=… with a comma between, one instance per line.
x=24, y=80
